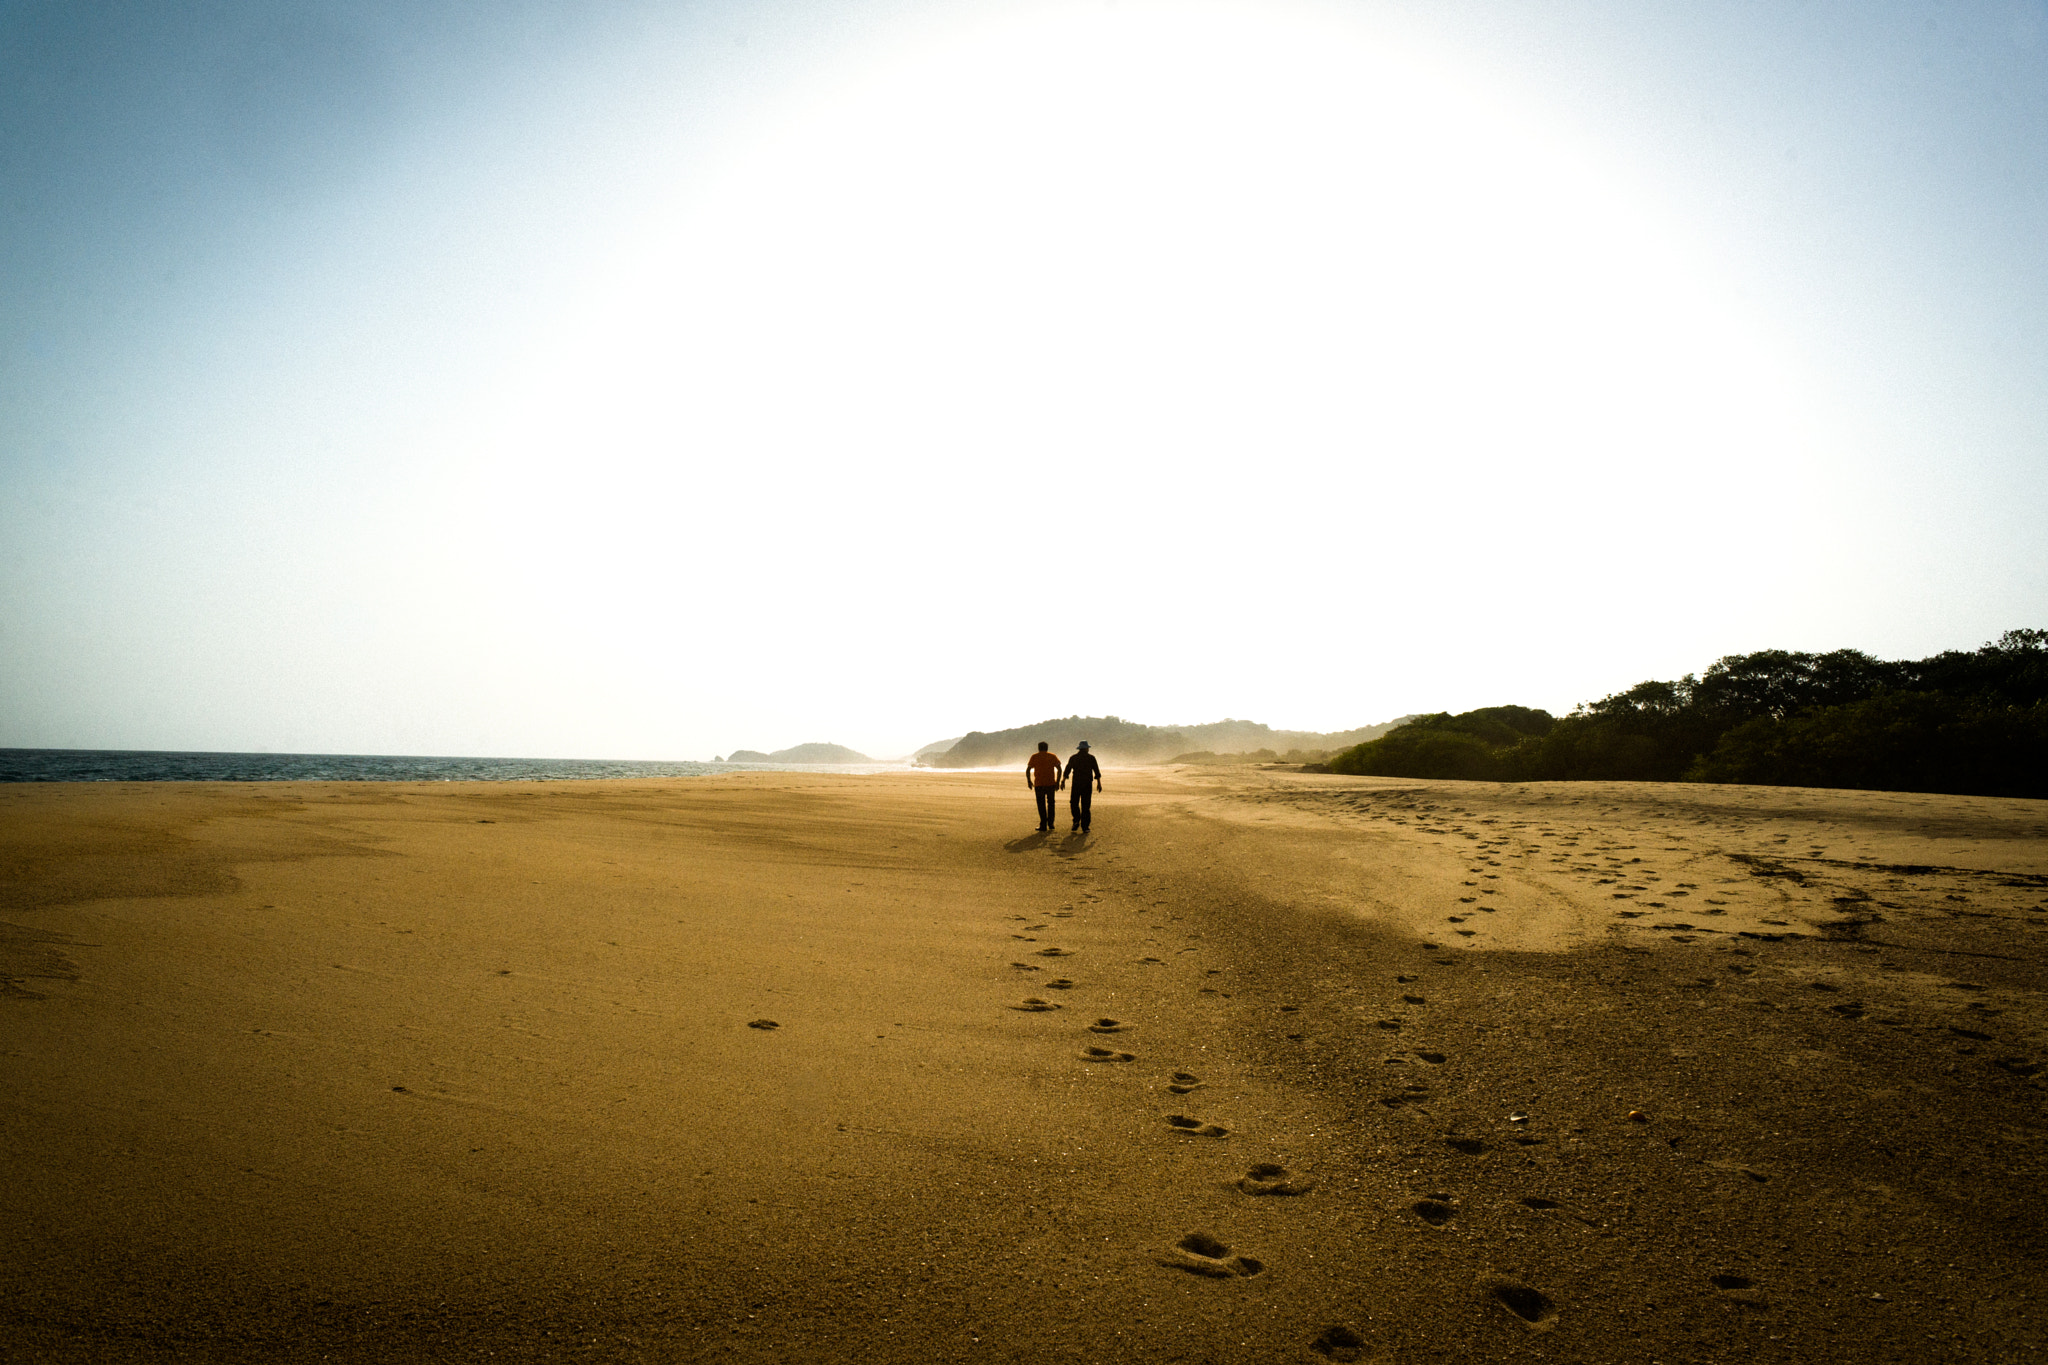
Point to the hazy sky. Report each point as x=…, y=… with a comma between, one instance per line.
x=616, y=380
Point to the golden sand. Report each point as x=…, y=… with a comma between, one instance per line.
x=1340, y=1069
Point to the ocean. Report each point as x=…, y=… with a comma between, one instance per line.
x=142, y=765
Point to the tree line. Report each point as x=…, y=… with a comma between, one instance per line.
x=1970, y=722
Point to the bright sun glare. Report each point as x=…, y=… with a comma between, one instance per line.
x=1191, y=265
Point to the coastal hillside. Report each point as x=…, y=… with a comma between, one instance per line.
x=802, y=753
x=1118, y=741
x=1968, y=722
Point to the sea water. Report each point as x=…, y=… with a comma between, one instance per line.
x=138, y=765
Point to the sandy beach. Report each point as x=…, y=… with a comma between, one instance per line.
x=1269, y=1067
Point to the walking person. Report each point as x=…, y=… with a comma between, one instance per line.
x=1042, y=775
x=1080, y=769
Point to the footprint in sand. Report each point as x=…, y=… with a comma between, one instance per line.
x=762, y=1024
x=1033, y=1005
x=1531, y=1306
x=1104, y=1054
x=1737, y=1168
x=1184, y=1082
x=1026, y=967
x=1059, y=983
x=1435, y=1209
x=1339, y=1344
x=1200, y=1254
x=1269, y=1178
x=1107, y=1026
x=1055, y=952
x=1193, y=1127
x=1469, y=1146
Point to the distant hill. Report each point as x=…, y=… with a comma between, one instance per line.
x=1117, y=741
x=802, y=753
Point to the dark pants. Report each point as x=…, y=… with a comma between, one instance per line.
x=1048, y=806
x=1079, y=795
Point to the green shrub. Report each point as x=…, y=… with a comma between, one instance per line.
x=1961, y=721
x=1896, y=741
x=1420, y=751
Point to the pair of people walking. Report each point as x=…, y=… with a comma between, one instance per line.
x=1082, y=777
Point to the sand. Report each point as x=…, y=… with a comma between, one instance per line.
x=1383, y=1070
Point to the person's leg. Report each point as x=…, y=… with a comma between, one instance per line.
x=1074, y=802
x=1048, y=812
x=1087, y=802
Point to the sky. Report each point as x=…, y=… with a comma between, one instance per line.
x=633, y=380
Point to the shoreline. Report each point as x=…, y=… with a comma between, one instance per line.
x=372, y=1069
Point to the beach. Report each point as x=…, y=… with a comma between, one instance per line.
x=1271, y=1066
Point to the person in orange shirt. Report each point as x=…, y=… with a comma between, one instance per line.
x=1042, y=775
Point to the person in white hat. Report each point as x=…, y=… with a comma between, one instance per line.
x=1080, y=769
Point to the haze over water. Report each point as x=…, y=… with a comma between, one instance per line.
x=86, y=765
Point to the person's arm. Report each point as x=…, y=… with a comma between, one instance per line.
x=1098, y=772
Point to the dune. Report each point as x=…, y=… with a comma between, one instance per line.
x=774, y=1066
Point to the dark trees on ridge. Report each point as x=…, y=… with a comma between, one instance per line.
x=1973, y=722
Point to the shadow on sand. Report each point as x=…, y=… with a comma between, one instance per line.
x=1043, y=838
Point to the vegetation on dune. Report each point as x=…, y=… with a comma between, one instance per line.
x=1118, y=741
x=1204, y=757
x=1112, y=739
x=1972, y=722
x=1470, y=745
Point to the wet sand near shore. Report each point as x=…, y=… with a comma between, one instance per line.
x=1269, y=1067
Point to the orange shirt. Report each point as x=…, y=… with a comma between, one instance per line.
x=1044, y=769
